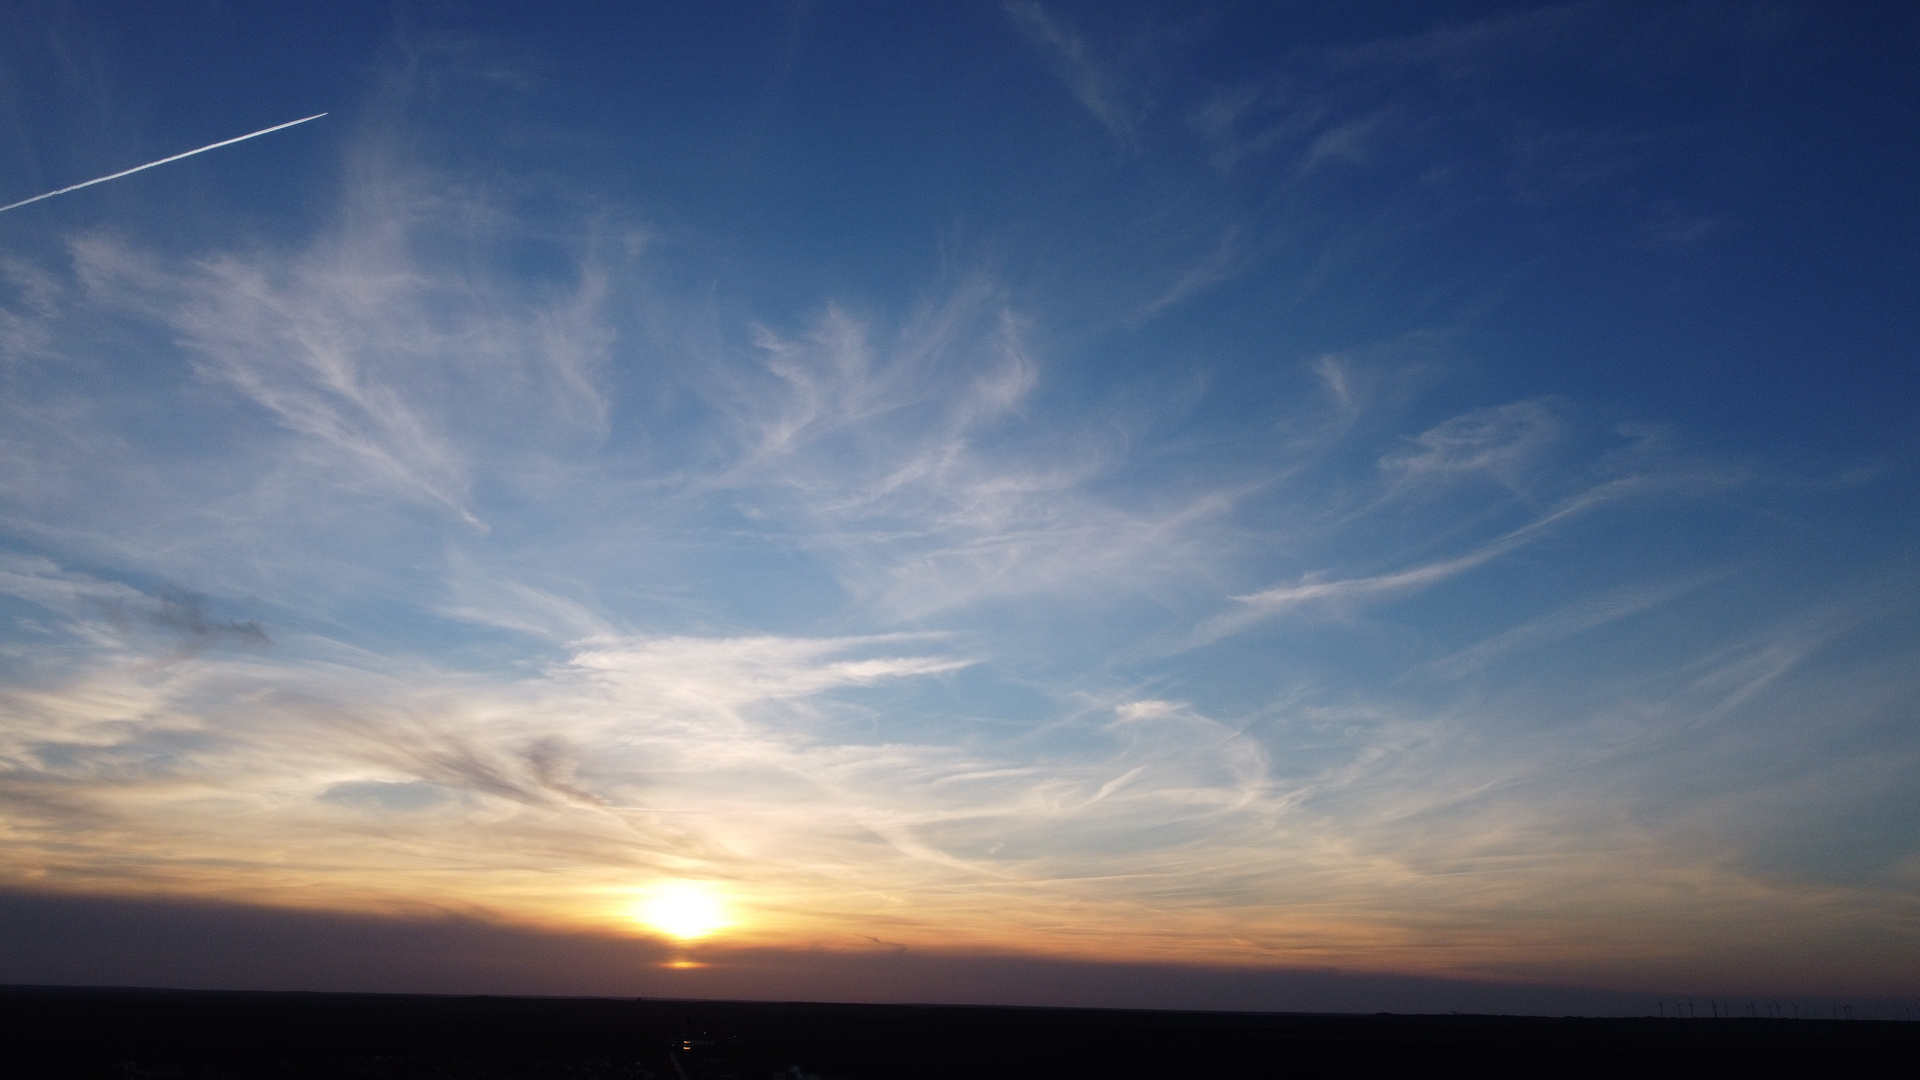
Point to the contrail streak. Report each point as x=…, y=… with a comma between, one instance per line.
x=162, y=161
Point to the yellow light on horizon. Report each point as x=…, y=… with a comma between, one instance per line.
x=684, y=909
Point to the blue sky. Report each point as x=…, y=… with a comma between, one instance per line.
x=1414, y=490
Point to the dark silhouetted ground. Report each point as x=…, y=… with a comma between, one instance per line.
x=182, y=1035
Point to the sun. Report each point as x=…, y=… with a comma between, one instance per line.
x=683, y=909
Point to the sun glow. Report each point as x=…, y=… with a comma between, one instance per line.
x=685, y=909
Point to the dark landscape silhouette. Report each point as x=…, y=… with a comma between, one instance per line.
x=129, y=1034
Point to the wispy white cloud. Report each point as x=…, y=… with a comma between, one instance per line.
x=1733, y=674
x=1221, y=120
x=1095, y=82
x=1498, y=442
x=1348, y=142
x=1459, y=51
x=1442, y=105
x=906, y=461
x=482, y=595
x=1219, y=265
x=1504, y=442
x=1567, y=622
x=372, y=357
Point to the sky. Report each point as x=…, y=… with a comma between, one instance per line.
x=1021, y=502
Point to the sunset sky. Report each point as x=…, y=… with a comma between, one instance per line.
x=1391, y=490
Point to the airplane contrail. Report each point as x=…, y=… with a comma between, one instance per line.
x=162, y=161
